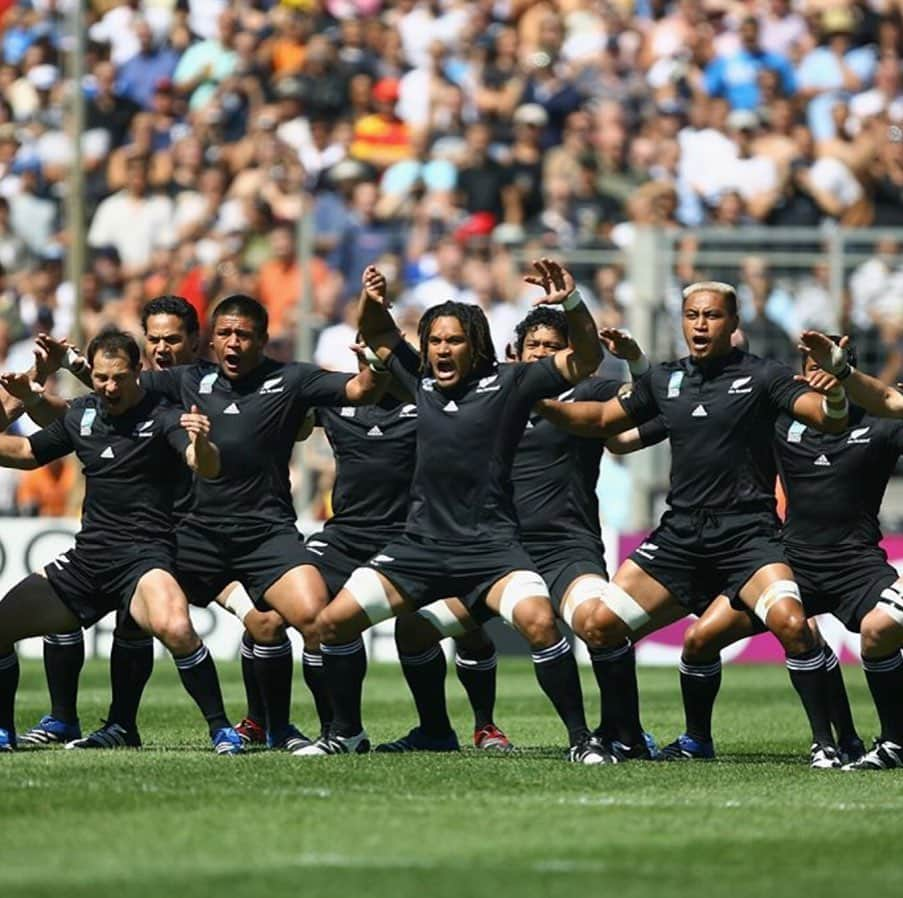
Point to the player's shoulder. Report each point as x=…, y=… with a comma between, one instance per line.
x=762, y=369
x=889, y=429
x=598, y=389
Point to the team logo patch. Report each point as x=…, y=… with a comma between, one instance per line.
x=740, y=385
x=822, y=461
x=87, y=421
x=568, y=395
x=381, y=559
x=858, y=436
x=271, y=385
x=428, y=384
x=316, y=546
x=207, y=382
x=408, y=411
x=795, y=432
x=347, y=411
x=488, y=384
x=625, y=391
x=646, y=549
x=144, y=429
x=674, y=382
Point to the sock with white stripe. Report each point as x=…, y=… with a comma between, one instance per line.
x=9, y=683
x=615, y=671
x=425, y=676
x=699, y=685
x=273, y=666
x=131, y=665
x=885, y=679
x=201, y=681
x=556, y=671
x=312, y=668
x=344, y=668
x=838, y=700
x=64, y=657
x=476, y=669
x=256, y=709
x=809, y=678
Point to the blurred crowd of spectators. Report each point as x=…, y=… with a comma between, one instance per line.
x=447, y=140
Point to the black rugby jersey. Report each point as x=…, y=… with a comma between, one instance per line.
x=466, y=441
x=835, y=482
x=375, y=451
x=720, y=417
x=555, y=474
x=129, y=462
x=254, y=422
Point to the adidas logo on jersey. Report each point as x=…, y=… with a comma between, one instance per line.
x=488, y=384
x=231, y=409
x=374, y=431
x=408, y=411
x=271, y=385
x=107, y=453
x=740, y=386
x=451, y=407
x=700, y=412
x=858, y=436
x=822, y=461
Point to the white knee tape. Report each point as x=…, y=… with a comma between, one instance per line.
x=780, y=589
x=239, y=602
x=891, y=602
x=625, y=606
x=368, y=591
x=522, y=585
x=442, y=619
x=586, y=589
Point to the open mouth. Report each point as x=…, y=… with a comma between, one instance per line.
x=701, y=343
x=163, y=361
x=445, y=370
x=231, y=362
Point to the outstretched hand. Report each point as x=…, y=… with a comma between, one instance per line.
x=21, y=387
x=375, y=285
x=197, y=425
x=557, y=282
x=824, y=351
x=821, y=381
x=620, y=344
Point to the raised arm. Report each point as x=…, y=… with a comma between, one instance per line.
x=375, y=323
x=201, y=455
x=587, y=419
x=16, y=452
x=875, y=397
x=584, y=353
x=29, y=397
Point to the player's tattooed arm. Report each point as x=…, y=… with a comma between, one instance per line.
x=16, y=452
x=202, y=456
x=875, y=397
x=587, y=419
x=584, y=353
x=31, y=398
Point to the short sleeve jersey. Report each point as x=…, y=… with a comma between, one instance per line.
x=720, y=418
x=128, y=463
x=375, y=449
x=466, y=440
x=254, y=422
x=835, y=482
x=555, y=473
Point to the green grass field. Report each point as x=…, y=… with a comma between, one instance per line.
x=175, y=819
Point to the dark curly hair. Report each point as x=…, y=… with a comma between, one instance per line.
x=172, y=305
x=476, y=329
x=541, y=316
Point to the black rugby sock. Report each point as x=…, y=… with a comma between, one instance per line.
x=615, y=671
x=273, y=666
x=556, y=671
x=199, y=677
x=809, y=678
x=256, y=709
x=64, y=657
x=131, y=665
x=425, y=676
x=476, y=669
x=344, y=668
x=838, y=700
x=885, y=679
x=9, y=683
x=699, y=685
x=312, y=668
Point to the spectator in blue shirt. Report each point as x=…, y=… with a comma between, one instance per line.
x=151, y=65
x=736, y=77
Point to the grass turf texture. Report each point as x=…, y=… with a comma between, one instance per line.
x=175, y=819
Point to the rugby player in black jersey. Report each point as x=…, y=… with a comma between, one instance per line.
x=241, y=524
x=171, y=332
x=128, y=441
x=881, y=629
x=461, y=532
x=375, y=450
x=720, y=534
x=554, y=477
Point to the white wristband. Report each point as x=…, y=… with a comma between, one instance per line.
x=73, y=360
x=639, y=366
x=573, y=300
x=835, y=411
x=838, y=360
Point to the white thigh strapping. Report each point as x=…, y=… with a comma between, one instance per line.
x=238, y=602
x=368, y=591
x=780, y=589
x=625, y=606
x=442, y=619
x=521, y=585
x=585, y=589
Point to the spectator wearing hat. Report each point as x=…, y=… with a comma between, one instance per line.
x=139, y=76
x=382, y=138
x=833, y=71
x=736, y=77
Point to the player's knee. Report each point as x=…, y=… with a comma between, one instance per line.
x=474, y=642
x=879, y=634
x=265, y=627
x=601, y=628
x=177, y=634
x=535, y=621
x=696, y=646
x=414, y=634
x=792, y=630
